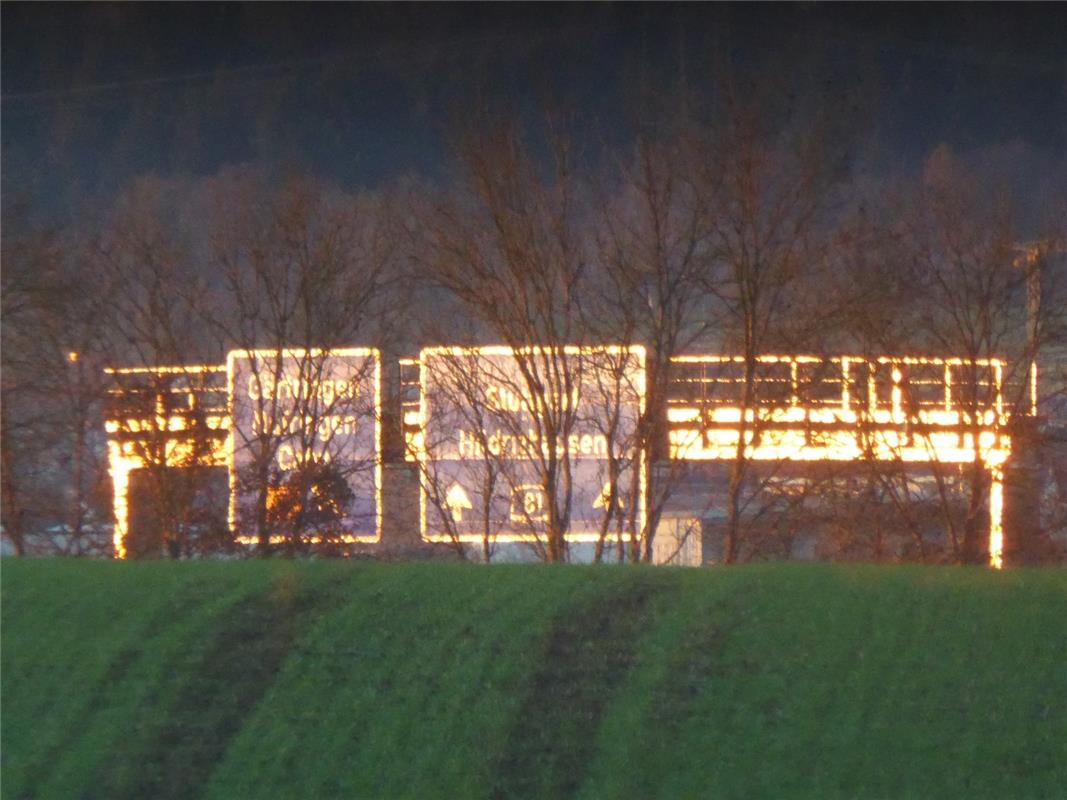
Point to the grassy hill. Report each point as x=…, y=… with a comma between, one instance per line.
x=304, y=680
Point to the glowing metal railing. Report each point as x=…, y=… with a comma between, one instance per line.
x=872, y=412
x=145, y=422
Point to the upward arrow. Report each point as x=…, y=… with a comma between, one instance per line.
x=601, y=500
x=457, y=500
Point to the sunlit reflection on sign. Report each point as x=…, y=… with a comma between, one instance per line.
x=511, y=442
x=306, y=426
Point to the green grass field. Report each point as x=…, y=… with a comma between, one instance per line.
x=309, y=680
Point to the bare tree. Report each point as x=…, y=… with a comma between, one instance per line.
x=504, y=242
x=146, y=257
x=305, y=270
x=653, y=249
x=963, y=242
x=53, y=487
x=936, y=272
x=767, y=182
x=510, y=241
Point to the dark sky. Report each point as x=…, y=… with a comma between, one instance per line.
x=94, y=94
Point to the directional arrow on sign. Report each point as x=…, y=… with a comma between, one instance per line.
x=457, y=500
x=601, y=500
